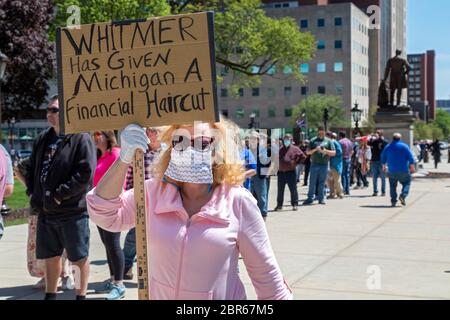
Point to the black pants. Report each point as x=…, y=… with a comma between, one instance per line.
x=114, y=253
x=307, y=167
x=290, y=178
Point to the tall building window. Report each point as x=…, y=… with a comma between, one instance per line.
x=321, y=23
x=338, y=67
x=271, y=92
x=241, y=92
x=321, y=67
x=287, y=91
x=321, y=44
x=321, y=90
x=240, y=113
x=304, y=91
x=304, y=68
x=339, y=90
x=255, y=92
x=271, y=71
x=338, y=44
x=272, y=112
x=288, y=112
x=303, y=24
x=224, y=71
x=338, y=21
x=223, y=92
x=287, y=70
x=254, y=69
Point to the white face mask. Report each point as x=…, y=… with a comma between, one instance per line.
x=191, y=166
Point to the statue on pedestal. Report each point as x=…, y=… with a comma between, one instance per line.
x=397, y=69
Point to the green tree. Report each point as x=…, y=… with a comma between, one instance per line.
x=108, y=10
x=422, y=131
x=251, y=44
x=443, y=122
x=312, y=109
x=248, y=43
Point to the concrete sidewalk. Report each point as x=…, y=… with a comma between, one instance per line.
x=339, y=251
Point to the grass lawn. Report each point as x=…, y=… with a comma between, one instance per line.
x=19, y=199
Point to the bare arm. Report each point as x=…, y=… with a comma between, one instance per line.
x=111, y=185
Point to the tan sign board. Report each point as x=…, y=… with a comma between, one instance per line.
x=153, y=72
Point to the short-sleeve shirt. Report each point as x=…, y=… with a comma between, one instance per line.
x=318, y=158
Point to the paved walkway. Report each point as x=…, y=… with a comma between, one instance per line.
x=356, y=248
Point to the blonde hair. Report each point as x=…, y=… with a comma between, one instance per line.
x=227, y=167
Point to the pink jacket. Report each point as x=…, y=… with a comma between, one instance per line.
x=197, y=258
x=104, y=163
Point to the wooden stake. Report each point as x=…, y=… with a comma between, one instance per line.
x=141, y=225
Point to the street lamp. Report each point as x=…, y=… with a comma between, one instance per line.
x=326, y=117
x=251, y=125
x=11, y=123
x=356, y=116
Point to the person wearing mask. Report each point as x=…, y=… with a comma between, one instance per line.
x=199, y=217
x=61, y=171
x=398, y=162
x=107, y=153
x=334, y=175
x=377, y=144
x=347, y=152
x=320, y=149
x=289, y=157
x=150, y=158
x=260, y=181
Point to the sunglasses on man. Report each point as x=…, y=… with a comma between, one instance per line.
x=52, y=110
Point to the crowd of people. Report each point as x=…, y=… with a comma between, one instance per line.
x=206, y=206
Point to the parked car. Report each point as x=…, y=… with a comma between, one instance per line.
x=444, y=145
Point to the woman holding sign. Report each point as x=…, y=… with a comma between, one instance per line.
x=199, y=218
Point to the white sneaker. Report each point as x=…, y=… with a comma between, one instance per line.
x=67, y=283
x=40, y=284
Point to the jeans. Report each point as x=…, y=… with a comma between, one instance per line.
x=402, y=177
x=290, y=178
x=317, y=178
x=377, y=171
x=346, y=175
x=129, y=249
x=261, y=193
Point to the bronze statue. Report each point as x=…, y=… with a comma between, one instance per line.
x=398, y=70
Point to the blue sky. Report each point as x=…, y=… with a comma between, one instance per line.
x=429, y=28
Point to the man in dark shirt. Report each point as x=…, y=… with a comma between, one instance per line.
x=61, y=172
x=377, y=144
x=320, y=149
x=289, y=156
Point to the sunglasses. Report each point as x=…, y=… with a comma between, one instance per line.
x=181, y=143
x=52, y=110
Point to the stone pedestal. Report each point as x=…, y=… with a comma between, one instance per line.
x=393, y=120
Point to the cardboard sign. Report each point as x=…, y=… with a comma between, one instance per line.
x=151, y=72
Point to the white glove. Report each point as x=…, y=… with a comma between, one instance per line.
x=133, y=137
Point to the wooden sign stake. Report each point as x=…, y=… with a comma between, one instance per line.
x=141, y=225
